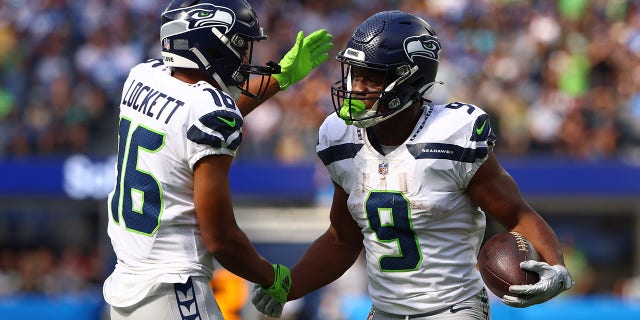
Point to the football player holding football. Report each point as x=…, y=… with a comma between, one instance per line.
x=413, y=181
x=170, y=213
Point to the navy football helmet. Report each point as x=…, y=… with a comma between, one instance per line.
x=401, y=47
x=216, y=36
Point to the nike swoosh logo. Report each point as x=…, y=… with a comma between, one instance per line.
x=231, y=124
x=455, y=310
x=479, y=130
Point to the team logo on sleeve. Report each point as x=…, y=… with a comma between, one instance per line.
x=482, y=129
x=220, y=128
x=423, y=46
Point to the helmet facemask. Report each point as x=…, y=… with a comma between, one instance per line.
x=380, y=100
x=237, y=83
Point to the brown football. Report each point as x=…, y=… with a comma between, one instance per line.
x=499, y=262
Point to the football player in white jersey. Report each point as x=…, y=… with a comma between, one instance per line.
x=170, y=213
x=413, y=182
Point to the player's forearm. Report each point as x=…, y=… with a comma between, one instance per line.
x=247, y=104
x=237, y=255
x=543, y=238
x=324, y=262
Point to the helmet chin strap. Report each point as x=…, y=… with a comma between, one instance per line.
x=369, y=122
x=372, y=121
x=233, y=91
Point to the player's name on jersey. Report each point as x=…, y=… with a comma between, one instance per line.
x=151, y=102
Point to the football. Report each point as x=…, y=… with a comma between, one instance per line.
x=499, y=262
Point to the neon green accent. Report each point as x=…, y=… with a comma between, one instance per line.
x=386, y=217
x=279, y=290
x=140, y=194
x=306, y=54
x=231, y=124
x=481, y=129
x=124, y=172
x=160, y=191
x=351, y=107
x=126, y=159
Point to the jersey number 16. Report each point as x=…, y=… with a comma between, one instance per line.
x=137, y=198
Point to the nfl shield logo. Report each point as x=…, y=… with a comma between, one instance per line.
x=165, y=44
x=383, y=168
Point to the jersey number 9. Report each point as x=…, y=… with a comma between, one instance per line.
x=389, y=216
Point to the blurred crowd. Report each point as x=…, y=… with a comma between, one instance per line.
x=558, y=77
x=44, y=271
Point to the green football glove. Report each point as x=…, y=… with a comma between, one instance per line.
x=351, y=107
x=306, y=54
x=270, y=300
x=279, y=290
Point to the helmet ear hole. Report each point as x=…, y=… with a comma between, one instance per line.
x=394, y=103
x=238, y=42
x=403, y=70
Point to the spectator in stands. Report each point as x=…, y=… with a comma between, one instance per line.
x=537, y=41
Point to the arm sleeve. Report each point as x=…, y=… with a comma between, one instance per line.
x=480, y=140
x=212, y=130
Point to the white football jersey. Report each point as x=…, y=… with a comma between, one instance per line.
x=421, y=231
x=165, y=127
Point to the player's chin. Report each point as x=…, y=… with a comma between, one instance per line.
x=369, y=103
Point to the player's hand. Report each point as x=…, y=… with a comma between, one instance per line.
x=306, y=54
x=265, y=303
x=349, y=108
x=553, y=280
x=270, y=301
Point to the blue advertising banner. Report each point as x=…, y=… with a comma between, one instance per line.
x=83, y=177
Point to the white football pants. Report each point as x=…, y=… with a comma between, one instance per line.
x=475, y=308
x=192, y=300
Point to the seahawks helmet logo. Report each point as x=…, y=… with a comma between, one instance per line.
x=208, y=15
x=424, y=46
x=199, y=16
